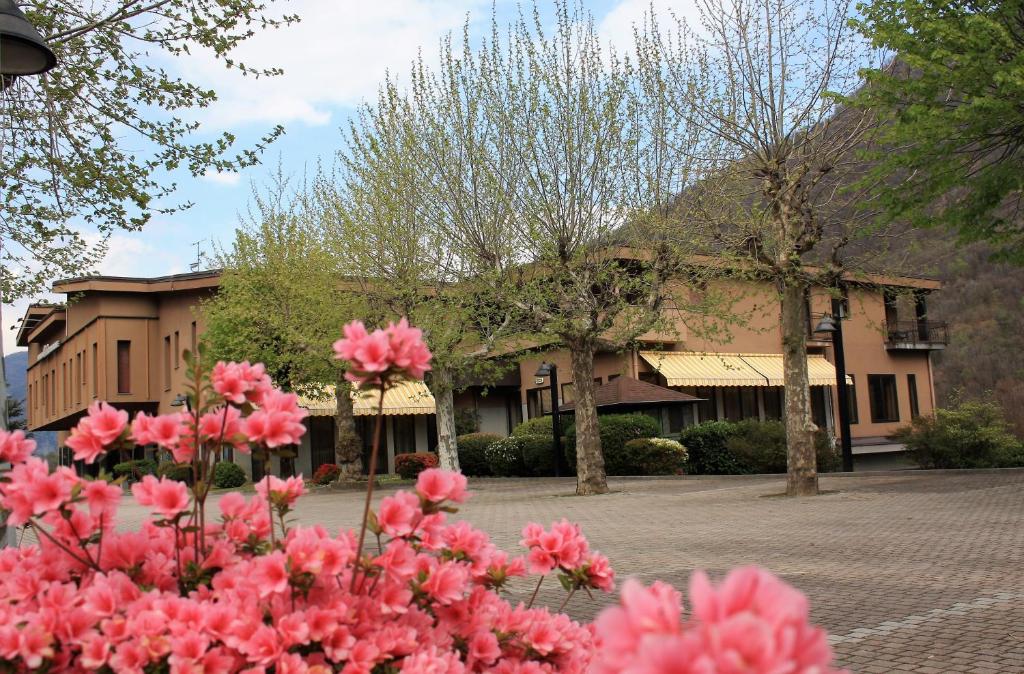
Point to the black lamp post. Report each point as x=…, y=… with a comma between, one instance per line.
x=182, y=399
x=22, y=50
x=833, y=324
x=551, y=370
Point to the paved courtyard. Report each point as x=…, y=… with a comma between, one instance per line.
x=910, y=572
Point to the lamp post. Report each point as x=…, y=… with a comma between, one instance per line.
x=551, y=370
x=182, y=399
x=833, y=324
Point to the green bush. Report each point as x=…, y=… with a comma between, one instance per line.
x=538, y=455
x=412, y=464
x=706, y=445
x=505, y=457
x=969, y=435
x=136, y=470
x=182, y=472
x=654, y=456
x=616, y=430
x=538, y=426
x=228, y=475
x=472, y=453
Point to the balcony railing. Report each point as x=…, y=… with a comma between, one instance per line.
x=917, y=335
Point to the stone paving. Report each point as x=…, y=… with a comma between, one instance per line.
x=910, y=572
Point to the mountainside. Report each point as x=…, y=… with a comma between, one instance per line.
x=15, y=365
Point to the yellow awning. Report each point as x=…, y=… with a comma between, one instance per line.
x=688, y=368
x=407, y=397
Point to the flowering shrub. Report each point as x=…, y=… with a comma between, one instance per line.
x=247, y=592
x=412, y=464
x=326, y=473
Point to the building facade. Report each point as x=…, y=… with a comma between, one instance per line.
x=121, y=340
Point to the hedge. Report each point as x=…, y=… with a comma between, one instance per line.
x=136, y=469
x=182, y=472
x=654, y=456
x=472, y=453
x=616, y=430
x=970, y=434
x=228, y=475
x=412, y=464
x=745, y=447
x=505, y=457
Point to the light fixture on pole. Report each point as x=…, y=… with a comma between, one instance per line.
x=833, y=324
x=551, y=370
x=182, y=399
x=22, y=49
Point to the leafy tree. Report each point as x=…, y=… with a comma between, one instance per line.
x=93, y=141
x=381, y=221
x=951, y=100
x=760, y=82
x=546, y=162
x=280, y=304
x=16, y=420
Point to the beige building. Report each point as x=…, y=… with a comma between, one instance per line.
x=121, y=340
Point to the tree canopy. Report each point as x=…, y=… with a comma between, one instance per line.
x=951, y=98
x=92, y=144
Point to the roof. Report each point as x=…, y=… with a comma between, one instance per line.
x=35, y=315
x=404, y=397
x=208, y=278
x=689, y=368
x=629, y=391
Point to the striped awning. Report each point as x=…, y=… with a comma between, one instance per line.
x=406, y=397
x=688, y=368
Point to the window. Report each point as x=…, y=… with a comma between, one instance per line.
x=740, y=402
x=167, y=363
x=404, y=434
x=538, y=402
x=818, y=415
x=706, y=408
x=597, y=381
x=612, y=377
x=65, y=389
x=773, y=400
x=884, y=401
x=851, y=401
x=568, y=393
x=53, y=391
x=78, y=378
x=679, y=417
x=124, y=366
x=195, y=337
x=95, y=367
x=915, y=407
x=177, y=350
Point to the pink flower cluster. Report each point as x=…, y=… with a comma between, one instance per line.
x=227, y=599
x=397, y=350
x=241, y=382
x=752, y=623
x=564, y=547
x=97, y=432
x=15, y=447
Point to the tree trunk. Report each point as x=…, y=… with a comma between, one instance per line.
x=802, y=472
x=590, y=477
x=348, y=447
x=444, y=402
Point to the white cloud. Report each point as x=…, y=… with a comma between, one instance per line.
x=228, y=178
x=335, y=56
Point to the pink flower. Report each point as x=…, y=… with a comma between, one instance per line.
x=168, y=498
x=270, y=574
x=281, y=492
x=241, y=382
x=278, y=422
x=562, y=547
x=15, y=447
x=446, y=582
x=434, y=661
x=105, y=422
x=437, y=485
x=399, y=514
x=102, y=497
x=398, y=349
x=599, y=573
x=223, y=424
x=84, y=443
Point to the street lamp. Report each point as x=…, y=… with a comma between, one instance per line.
x=182, y=399
x=22, y=50
x=551, y=370
x=833, y=324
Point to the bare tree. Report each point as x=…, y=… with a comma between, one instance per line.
x=761, y=80
x=552, y=178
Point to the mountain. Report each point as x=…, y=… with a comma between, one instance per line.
x=15, y=365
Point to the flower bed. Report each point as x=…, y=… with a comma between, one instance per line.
x=241, y=590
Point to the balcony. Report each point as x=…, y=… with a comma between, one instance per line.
x=916, y=335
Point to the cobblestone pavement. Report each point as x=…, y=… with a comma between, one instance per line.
x=910, y=572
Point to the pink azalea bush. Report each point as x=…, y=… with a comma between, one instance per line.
x=242, y=591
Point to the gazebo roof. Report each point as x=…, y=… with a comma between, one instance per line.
x=629, y=391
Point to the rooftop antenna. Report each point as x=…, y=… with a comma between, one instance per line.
x=199, y=256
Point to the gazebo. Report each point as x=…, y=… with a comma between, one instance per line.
x=623, y=395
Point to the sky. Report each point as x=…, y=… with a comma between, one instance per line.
x=333, y=60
